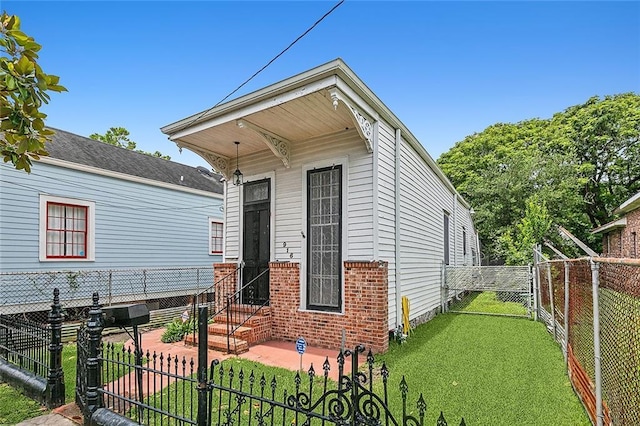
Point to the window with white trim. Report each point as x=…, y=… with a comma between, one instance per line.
x=324, y=242
x=66, y=229
x=216, y=236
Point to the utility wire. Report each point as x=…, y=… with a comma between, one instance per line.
x=202, y=114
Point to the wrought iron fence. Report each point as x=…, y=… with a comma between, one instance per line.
x=167, y=390
x=592, y=307
x=497, y=290
x=25, y=344
x=27, y=293
x=35, y=349
x=159, y=390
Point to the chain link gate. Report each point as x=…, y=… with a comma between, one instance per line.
x=494, y=290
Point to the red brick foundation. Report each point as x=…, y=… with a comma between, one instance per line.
x=365, y=313
x=225, y=280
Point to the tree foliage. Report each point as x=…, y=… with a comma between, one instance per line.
x=581, y=164
x=530, y=230
x=119, y=136
x=23, y=90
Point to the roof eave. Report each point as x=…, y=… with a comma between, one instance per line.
x=629, y=205
x=336, y=67
x=619, y=223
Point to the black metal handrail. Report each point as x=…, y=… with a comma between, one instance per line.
x=209, y=290
x=233, y=324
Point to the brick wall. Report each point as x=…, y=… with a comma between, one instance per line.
x=224, y=278
x=365, y=313
x=631, y=236
x=624, y=242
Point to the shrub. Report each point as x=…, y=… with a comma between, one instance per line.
x=175, y=331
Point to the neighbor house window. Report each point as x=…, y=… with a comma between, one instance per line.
x=66, y=229
x=634, y=245
x=216, y=228
x=446, y=238
x=324, y=236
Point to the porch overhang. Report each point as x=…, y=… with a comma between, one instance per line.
x=322, y=101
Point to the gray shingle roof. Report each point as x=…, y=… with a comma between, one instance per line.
x=78, y=149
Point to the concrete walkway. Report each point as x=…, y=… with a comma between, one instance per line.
x=273, y=353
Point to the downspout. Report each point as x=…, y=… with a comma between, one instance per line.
x=225, y=240
x=376, y=196
x=455, y=230
x=398, y=247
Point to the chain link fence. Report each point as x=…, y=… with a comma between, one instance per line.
x=28, y=293
x=499, y=290
x=592, y=307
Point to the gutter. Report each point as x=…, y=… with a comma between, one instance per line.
x=398, y=246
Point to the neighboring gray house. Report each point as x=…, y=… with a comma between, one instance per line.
x=93, y=206
x=338, y=199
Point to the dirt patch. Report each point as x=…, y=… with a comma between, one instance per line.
x=118, y=337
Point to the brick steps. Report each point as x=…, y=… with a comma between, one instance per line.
x=219, y=343
x=254, y=329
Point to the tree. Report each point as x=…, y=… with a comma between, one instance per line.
x=531, y=230
x=605, y=136
x=119, y=136
x=583, y=163
x=23, y=90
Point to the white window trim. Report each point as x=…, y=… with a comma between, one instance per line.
x=344, y=162
x=220, y=221
x=91, y=229
x=272, y=220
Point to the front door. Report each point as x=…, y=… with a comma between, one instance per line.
x=256, y=241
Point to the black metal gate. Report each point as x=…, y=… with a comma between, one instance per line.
x=81, y=370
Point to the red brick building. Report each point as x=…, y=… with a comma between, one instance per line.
x=620, y=237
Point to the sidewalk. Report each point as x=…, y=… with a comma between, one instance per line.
x=273, y=353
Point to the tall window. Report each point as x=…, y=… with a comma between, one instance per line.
x=446, y=238
x=634, y=245
x=464, y=241
x=324, y=223
x=216, y=237
x=66, y=229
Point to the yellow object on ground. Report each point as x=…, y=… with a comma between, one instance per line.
x=406, y=328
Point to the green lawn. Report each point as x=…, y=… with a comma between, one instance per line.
x=15, y=407
x=487, y=302
x=490, y=370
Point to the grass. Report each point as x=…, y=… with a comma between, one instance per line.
x=487, y=302
x=490, y=370
x=186, y=397
x=15, y=407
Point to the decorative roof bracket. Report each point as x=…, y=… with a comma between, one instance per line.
x=277, y=144
x=219, y=163
x=363, y=124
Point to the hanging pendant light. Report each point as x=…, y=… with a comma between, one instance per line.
x=237, y=175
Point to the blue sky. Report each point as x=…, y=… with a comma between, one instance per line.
x=446, y=69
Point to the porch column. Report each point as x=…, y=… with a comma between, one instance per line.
x=225, y=279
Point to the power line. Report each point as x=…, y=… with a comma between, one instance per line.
x=203, y=113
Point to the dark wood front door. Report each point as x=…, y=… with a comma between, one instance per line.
x=256, y=241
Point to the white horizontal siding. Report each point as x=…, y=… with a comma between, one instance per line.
x=423, y=201
x=136, y=225
x=289, y=186
x=386, y=212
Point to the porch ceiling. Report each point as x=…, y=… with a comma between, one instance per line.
x=299, y=119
